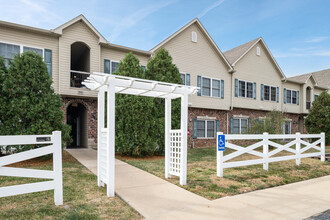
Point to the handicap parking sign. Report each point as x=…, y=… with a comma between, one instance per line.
x=221, y=142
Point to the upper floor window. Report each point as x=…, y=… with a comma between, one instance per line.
x=211, y=87
x=8, y=51
x=114, y=66
x=291, y=96
x=269, y=93
x=110, y=66
x=245, y=89
x=185, y=78
x=315, y=96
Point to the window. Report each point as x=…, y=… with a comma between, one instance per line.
x=287, y=127
x=38, y=51
x=185, y=78
x=270, y=93
x=205, y=129
x=288, y=96
x=206, y=86
x=292, y=96
x=114, y=66
x=258, y=51
x=215, y=88
x=212, y=87
x=8, y=51
x=315, y=96
x=240, y=125
x=245, y=89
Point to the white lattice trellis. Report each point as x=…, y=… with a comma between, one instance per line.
x=175, y=152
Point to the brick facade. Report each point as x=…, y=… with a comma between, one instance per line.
x=224, y=118
x=91, y=107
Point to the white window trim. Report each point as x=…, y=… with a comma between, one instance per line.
x=245, y=89
x=240, y=123
x=270, y=91
x=21, y=46
x=115, y=61
x=292, y=90
x=205, y=129
x=211, y=95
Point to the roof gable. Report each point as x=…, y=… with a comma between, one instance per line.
x=236, y=54
x=321, y=78
x=59, y=30
x=199, y=24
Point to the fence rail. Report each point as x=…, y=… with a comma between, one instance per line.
x=267, y=156
x=55, y=175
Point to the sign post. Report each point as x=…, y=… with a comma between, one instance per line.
x=221, y=146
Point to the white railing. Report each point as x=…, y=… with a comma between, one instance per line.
x=175, y=152
x=266, y=156
x=56, y=175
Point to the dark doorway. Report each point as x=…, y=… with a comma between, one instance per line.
x=77, y=118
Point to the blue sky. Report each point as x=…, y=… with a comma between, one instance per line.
x=296, y=31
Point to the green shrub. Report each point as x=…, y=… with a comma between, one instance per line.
x=318, y=119
x=272, y=123
x=28, y=104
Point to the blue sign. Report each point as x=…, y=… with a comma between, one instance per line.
x=221, y=142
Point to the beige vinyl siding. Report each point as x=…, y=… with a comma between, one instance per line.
x=261, y=70
x=32, y=39
x=77, y=32
x=202, y=59
x=118, y=55
x=294, y=108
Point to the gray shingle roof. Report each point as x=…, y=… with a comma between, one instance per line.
x=235, y=53
x=322, y=78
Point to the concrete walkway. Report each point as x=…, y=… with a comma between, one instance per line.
x=155, y=198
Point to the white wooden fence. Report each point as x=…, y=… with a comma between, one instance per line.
x=267, y=156
x=56, y=175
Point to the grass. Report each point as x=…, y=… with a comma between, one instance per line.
x=83, y=199
x=203, y=181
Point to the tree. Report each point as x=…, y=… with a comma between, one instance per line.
x=272, y=123
x=161, y=68
x=135, y=122
x=318, y=119
x=28, y=103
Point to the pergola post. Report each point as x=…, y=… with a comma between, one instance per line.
x=111, y=137
x=184, y=116
x=100, y=126
x=168, y=118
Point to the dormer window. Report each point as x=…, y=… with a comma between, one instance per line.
x=194, y=36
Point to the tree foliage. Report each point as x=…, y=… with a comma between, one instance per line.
x=140, y=121
x=318, y=119
x=135, y=122
x=272, y=123
x=28, y=104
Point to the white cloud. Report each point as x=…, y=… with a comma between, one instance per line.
x=316, y=39
x=133, y=19
x=211, y=7
x=30, y=12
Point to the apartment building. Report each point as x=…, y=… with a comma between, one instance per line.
x=237, y=86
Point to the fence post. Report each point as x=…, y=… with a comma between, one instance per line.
x=57, y=165
x=298, y=147
x=219, y=158
x=322, y=146
x=265, y=150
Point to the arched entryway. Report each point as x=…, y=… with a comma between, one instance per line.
x=308, y=97
x=80, y=63
x=77, y=119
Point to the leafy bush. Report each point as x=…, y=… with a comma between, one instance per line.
x=272, y=123
x=28, y=104
x=140, y=121
x=318, y=119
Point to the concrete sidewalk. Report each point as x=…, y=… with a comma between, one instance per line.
x=155, y=198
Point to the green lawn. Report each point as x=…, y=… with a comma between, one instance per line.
x=83, y=199
x=203, y=181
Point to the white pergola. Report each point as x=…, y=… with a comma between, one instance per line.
x=175, y=140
